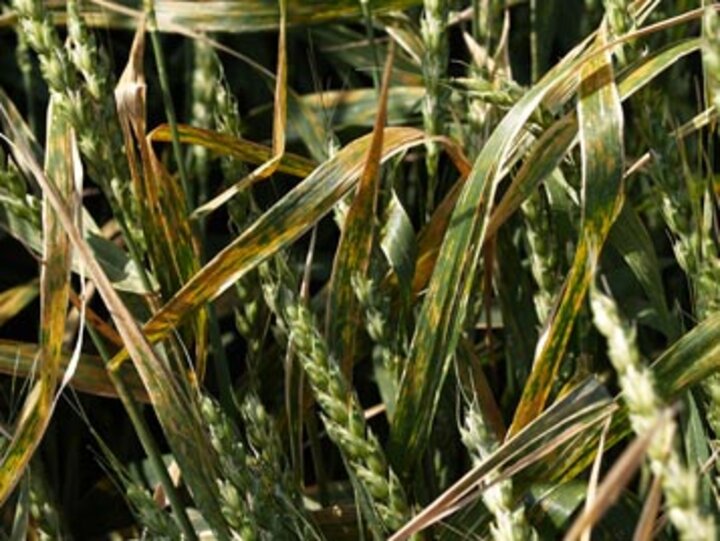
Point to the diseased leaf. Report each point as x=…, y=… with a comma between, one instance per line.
x=446, y=302
x=172, y=247
x=176, y=408
x=355, y=248
x=15, y=299
x=600, y=119
x=18, y=359
x=241, y=149
x=61, y=160
x=545, y=155
x=280, y=225
x=686, y=363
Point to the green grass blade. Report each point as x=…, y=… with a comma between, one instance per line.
x=630, y=237
x=121, y=270
x=690, y=360
x=600, y=120
x=61, y=160
x=21, y=522
x=346, y=47
x=358, y=107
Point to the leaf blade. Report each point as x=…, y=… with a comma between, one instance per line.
x=600, y=120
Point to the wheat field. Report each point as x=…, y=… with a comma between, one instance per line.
x=400, y=269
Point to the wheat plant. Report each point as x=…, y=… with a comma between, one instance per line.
x=255, y=287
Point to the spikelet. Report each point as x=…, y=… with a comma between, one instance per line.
x=342, y=415
x=678, y=481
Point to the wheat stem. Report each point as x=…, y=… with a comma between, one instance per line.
x=342, y=415
x=510, y=523
x=636, y=381
x=434, y=32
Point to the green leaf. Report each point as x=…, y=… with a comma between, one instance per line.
x=629, y=237
x=600, y=120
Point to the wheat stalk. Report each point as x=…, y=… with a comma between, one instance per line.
x=433, y=28
x=542, y=251
x=342, y=415
x=679, y=482
x=510, y=523
x=90, y=108
x=236, y=485
x=388, y=340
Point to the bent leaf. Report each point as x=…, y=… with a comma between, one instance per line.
x=239, y=148
x=600, y=120
x=278, y=135
x=444, y=309
x=279, y=226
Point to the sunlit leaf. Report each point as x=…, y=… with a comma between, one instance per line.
x=241, y=149
x=61, y=161
x=446, y=302
x=600, y=118
x=15, y=299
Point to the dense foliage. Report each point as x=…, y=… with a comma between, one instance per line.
x=309, y=269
